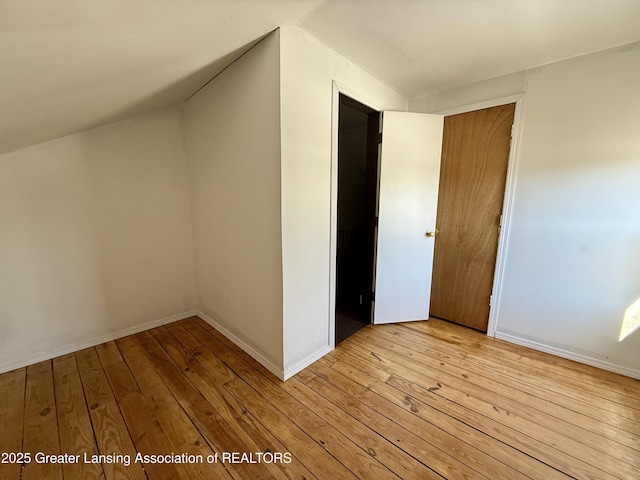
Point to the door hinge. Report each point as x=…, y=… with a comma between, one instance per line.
x=490, y=299
x=379, y=137
x=512, y=129
x=500, y=225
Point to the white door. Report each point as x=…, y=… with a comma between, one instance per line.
x=409, y=177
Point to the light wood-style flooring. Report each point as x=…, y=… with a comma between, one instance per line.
x=423, y=400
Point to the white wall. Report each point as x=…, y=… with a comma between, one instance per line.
x=95, y=237
x=232, y=138
x=573, y=257
x=308, y=68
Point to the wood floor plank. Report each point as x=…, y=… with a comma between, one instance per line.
x=581, y=402
x=463, y=452
x=429, y=395
x=487, y=390
x=502, y=452
x=615, y=402
x=512, y=475
x=491, y=394
x=144, y=427
x=207, y=376
x=40, y=423
x=297, y=441
x=450, y=333
x=564, y=364
x=214, y=365
x=495, y=352
x=238, y=418
x=549, y=453
x=200, y=326
x=448, y=343
x=354, y=458
x=327, y=449
x=207, y=419
x=12, y=392
x=111, y=434
x=584, y=383
x=620, y=414
x=396, y=460
x=74, y=424
x=183, y=436
x=566, y=420
x=421, y=400
x=563, y=383
x=304, y=376
x=109, y=354
x=438, y=460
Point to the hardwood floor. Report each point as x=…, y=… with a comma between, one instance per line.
x=423, y=400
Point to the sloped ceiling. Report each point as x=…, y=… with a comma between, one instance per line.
x=68, y=65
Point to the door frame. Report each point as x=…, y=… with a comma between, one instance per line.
x=509, y=194
x=337, y=89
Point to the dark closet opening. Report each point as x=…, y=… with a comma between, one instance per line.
x=358, y=140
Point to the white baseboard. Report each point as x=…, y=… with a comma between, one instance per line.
x=305, y=362
x=92, y=342
x=594, y=362
x=244, y=345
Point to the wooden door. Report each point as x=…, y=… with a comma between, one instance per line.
x=409, y=175
x=473, y=172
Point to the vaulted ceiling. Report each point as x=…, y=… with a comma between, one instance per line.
x=68, y=65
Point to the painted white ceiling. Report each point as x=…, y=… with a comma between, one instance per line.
x=425, y=46
x=68, y=65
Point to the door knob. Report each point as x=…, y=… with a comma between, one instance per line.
x=432, y=233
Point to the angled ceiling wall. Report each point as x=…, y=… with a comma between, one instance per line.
x=71, y=65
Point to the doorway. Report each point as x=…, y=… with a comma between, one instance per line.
x=475, y=155
x=358, y=127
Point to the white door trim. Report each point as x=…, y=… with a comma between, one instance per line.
x=509, y=194
x=496, y=102
x=337, y=89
